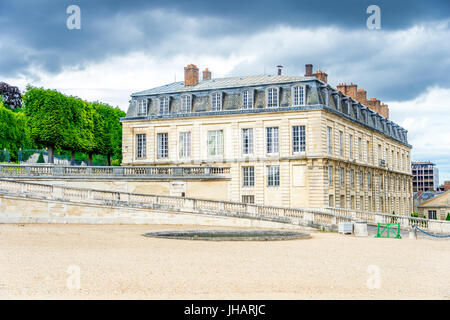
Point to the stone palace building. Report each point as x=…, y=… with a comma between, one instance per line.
x=291, y=141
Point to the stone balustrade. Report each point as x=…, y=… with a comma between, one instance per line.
x=329, y=217
x=11, y=170
x=438, y=226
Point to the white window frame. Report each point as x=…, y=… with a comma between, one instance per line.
x=248, y=176
x=186, y=105
x=299, y=146
x=184, y=139
x=247, y=136
x=162, y=145
x=142, y=107
x=272, y=140
x=330, y=176
x=141, y=146
x=338, y=103
x=247, y=99
x=350, y=145
x=273, y=176
x=216, y=99
x=164, y=105
x=341, y=143
x=218, y=145
x=296, y=101
x=270, y=105
x=330, y=140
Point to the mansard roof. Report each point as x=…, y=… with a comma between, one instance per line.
x=221, y=83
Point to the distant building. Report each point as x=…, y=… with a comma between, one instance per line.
x=290, y=141
x=447, y=185
x=436, y=208
x=425, y=176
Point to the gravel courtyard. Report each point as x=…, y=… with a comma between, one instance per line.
x=116, y=262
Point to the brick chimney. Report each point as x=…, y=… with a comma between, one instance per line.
x=279, y=69
x=348, y=89
x=206, y=74
x=308, y=70
x=361, y=96
x=190, y=75
x=322, y=76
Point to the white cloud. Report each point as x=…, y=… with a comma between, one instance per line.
x=427, y=119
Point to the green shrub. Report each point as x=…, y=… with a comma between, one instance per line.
x=41, y=158
x=448, y=216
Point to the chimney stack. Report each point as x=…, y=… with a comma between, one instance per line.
x=322, y=76
x=190, y=75
x=308, y=69
x=206, y=74
x=279, y=69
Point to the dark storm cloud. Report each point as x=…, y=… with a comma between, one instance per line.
x=34, y=33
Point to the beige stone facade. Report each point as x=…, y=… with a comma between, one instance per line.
x=436, y=208
x=349, y=157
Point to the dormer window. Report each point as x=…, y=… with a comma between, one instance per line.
x=338, y=103
x=216, y=101
x=247, y=99
x=186, y=105
x=326, y=93
x=272, y=97
x=164, y=105
x=298, y=96
x=142, y=107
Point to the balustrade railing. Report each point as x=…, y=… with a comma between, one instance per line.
x=10, y=170
x=303, y=216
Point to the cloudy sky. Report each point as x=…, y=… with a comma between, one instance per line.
x=128, y=46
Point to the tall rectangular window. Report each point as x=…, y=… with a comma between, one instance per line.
x=215, y=143
x=216, y=101
x=341, y=143
x=272, y=140
x=369, y=180
x=273, y=176
x=330, y=176
x=272, y=97
x=164, y=105
x=142, y=107
x=185, y=104
x=247, y=141
x=185, y=144
x=329, y=140
x=352, y=178
x=298, y=139
x=341, y=177
x=247, y=100
x=368, y=151
x=359, y=149
x=141, y=149
x=298, y=96
x=163, y=145
x=361, y=180
x=350, y=137
x=248, y=175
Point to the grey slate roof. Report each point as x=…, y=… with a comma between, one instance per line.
x=221, y=83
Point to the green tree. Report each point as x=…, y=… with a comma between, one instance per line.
x=448, y=216
x=49, y=118
x=80, y=132
x=14, y=133
x=108, y=131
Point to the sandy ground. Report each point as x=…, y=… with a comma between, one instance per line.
x=42, y=261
